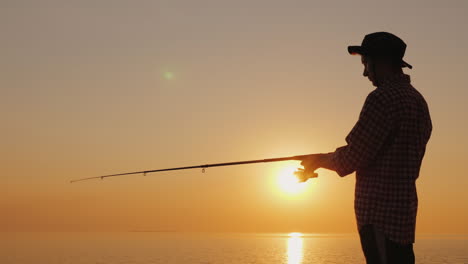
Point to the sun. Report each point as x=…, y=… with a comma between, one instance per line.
x=287, y=181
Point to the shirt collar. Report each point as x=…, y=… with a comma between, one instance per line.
x=396, y=79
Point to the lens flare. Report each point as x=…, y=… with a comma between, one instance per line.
x=168, y=75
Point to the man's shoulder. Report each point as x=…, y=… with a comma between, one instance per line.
x=379, y=96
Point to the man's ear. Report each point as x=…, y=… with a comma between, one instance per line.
x=370, y=65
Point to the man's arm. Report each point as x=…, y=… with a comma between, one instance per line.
x=316, y=161
x=364, y=141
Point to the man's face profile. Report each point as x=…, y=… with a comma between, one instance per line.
x=368, y=69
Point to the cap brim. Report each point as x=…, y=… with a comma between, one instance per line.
x=358, y=50
x=355, y=50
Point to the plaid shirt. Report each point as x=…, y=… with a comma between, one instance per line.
x=386, y=148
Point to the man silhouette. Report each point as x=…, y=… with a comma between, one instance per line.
x=385, y=148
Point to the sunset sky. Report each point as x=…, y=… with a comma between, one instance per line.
x=99, y=87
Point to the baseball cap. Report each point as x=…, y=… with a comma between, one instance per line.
x=381, y=44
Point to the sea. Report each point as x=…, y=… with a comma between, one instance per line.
x=207, y=248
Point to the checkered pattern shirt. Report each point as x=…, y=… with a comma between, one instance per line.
x=386, y=148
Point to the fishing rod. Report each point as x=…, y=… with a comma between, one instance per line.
x=301, y=174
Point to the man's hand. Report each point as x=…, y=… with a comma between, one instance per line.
x=302, y=176
x=310, y=163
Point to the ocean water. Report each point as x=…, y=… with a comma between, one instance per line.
x=202, y=248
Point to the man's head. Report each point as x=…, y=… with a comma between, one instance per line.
x=382, y=55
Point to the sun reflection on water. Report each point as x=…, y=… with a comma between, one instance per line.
x=295, y=248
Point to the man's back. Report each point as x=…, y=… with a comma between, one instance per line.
x=408, y=118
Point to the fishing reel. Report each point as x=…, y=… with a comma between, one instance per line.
x=303, y=176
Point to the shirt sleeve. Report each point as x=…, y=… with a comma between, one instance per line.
x=365, y=139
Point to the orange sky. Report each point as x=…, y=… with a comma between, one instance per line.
x=85, y=92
